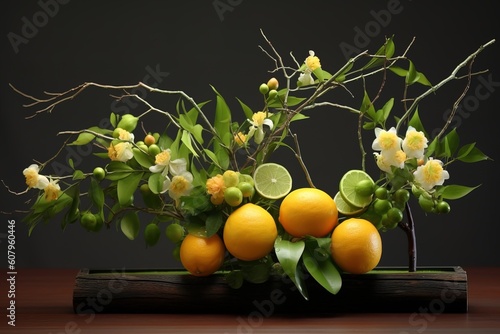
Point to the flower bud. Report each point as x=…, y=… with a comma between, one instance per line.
x=128, y=122
x=273, y=83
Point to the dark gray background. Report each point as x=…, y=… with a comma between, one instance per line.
x=116, y=41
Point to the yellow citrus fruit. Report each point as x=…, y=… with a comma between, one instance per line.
x=202, y=256
x=308, y=211
x=356, y=246
x=250, y=232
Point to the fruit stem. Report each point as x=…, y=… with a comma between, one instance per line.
x=409, y=229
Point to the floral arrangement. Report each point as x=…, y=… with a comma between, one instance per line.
x=210, y=183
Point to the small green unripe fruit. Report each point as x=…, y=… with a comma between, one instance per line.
x=401, y=196
x=246, y=178
x=395, y=215
x=175, y=232
x=233, y=196
x=381, y=193
x=88, y=221
x=99, y=173
x=273, y=84
x=128, y=122
x=443, y=207
x=364, y=188
x=151, y=234
x=381, y=206
x=231, y=178
x=273, y=94
x=153, y=150
x=426, y=204
x=247, y=189
x=264, y=89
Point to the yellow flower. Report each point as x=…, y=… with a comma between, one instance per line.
x=312, y=62
x=162, y=160
x=431, y=174
x=386, y=140
x=240, y=138
x=120, y=152
x=33, y=179
x=258, y=121
x=52, y=190
x=125, y=135
x=216, y=187
x=414, y=143
x=180, y=185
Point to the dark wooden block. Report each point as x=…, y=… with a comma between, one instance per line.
x=432, y=289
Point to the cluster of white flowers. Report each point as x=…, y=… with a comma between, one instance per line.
x=395, y=151
x=35, y=180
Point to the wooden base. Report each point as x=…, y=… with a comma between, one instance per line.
x=432, y=289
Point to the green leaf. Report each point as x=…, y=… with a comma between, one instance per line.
x=144, y=159
x=83, y=139
x=432, y=147
x=416, y=122
x=398, y=71
x=454, y=191
x=387, y=49
x=113, y=120
x=211, y=155
x=451, y=142
x=195, y=129
x=130, y=225
x=291, y=100
x=78, y=175
x=73, y=213
x=127, y=186
x=367, y=107
x=289, y=254
x=422, y=79
x=470, y=153
x=246, y=109
x=213, y=223
x=117, y=170
x=411, y=75
x=319, y=74
x=96, y=194
x=186, y=140
x=155, y=183
x=319, y=264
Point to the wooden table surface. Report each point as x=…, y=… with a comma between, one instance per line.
x=43, y=301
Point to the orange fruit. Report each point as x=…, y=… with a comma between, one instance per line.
x=202, y=256
x=356, y=246
x=250, y=232
x=308, y=211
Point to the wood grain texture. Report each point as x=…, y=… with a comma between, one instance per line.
x=44, y=304
x=381, y=291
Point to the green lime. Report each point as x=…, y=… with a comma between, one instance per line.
x=152, y=234
x=381, y=193
x=233, y=196
x=347, y=188
x=175, y=232
x=231, y=178
x=381, y=206
x=99, y=173
x=395, y=215
x=443, y=207
x=345, y=208
x=246, y=178
x=364, y=188
x=401, y=196
x=88, y=221
x=272, y=180
x=426, y=204
x=246, y=188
